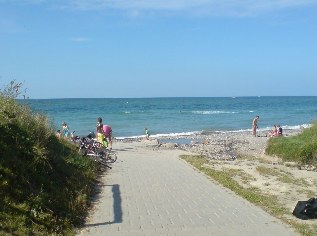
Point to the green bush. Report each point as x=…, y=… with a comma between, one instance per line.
x=307, y=153
x=44, y=184
x=301, y=148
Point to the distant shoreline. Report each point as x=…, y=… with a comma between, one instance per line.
x=222, y=146
x=206, y=135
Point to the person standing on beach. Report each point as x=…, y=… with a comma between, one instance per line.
x=65, y=129
x=147, y=134
x=107, y=132
x=255, y=125
x=99, y=130
x=104, y=133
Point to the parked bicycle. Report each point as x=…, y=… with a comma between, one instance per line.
x=74, y=138
x=96, y=150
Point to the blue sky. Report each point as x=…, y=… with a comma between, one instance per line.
x=159, y=48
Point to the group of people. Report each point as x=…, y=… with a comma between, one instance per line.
x=275, y=132
x=104, y=133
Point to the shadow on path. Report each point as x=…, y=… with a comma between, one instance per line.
x=117, y=208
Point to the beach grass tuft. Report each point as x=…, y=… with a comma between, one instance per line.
x=301, y=148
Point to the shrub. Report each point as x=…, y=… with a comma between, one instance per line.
x=301, y=148
x=307, y=153
x=44, y=184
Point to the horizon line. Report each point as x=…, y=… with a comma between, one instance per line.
x=233, y=97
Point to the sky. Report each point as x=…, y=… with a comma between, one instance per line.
x=159, y=48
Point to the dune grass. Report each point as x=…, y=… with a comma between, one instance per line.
x=301, y=148
x=45, y=185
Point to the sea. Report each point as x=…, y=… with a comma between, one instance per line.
x=177, y=116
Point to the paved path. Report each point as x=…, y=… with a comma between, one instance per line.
x=156, y=193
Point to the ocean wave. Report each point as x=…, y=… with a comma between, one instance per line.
x=207, y=132
x=303, y=126
x=284, y=127
x=213, y=112
x=162, y=135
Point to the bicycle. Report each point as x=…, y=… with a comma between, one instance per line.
x=74, y=138
x=111, y=156
x=96, y=150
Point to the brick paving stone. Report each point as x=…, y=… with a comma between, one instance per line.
x=153, y=192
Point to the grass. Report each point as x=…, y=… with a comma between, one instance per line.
x=281, y=175
x=45, y=186
x=254, y=195
x=301, y=148
x=308, y=192
x=263, y=170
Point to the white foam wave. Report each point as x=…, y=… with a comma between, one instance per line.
x=285, y=127
x=213, y=112
x=289, y=127
x=171, y=135
x=161, y=135
x=176, y=134
x=303, y=126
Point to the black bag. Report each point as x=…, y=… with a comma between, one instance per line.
x=306, y=209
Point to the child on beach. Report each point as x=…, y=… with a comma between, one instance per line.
x=65, y=129
x=147, y=134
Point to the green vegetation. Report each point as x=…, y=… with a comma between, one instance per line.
x=301, y=148
x=268, y=171
x=45, y=185
x=281, y=175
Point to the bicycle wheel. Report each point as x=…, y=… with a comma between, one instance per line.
x=103, y=163
x=111, y=157
x=97, y=152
